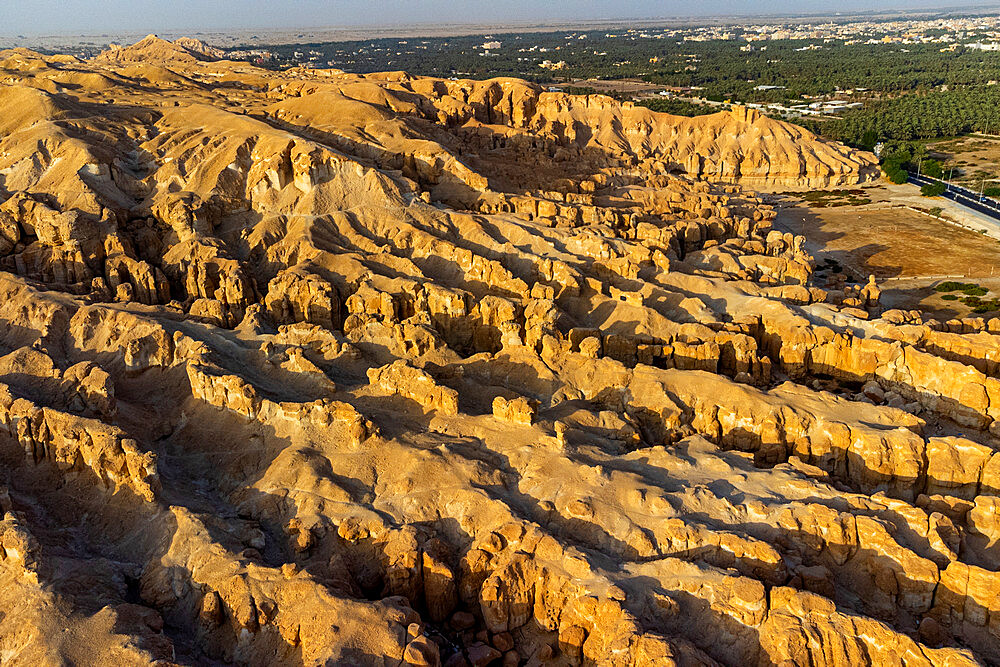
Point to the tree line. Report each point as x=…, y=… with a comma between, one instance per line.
x=916, y=116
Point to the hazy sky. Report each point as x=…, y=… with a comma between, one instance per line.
x=97, y=16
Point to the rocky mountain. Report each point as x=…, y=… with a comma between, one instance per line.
x=308, y=367
x=152, y=49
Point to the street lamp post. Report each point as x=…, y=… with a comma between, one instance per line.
x=982, y=191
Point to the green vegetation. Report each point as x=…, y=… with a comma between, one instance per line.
x=786, y=70
x=981, y=306
x=901, y=157
x=829, y=198
x=909, y=92
x=580, y=90
x=972, y=298
x=678, y=107
x=932, y=189
x=896, y=176
x=895, y=164
x=967, y=288
x=936, y=211
x=919, y=115
x=931, y=167
x=590, y=90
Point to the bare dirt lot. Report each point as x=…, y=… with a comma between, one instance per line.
x=974, y=158
x=907, y=251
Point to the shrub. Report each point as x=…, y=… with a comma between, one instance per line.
x=931, y=168
x=936, y=211
x=932, y=189
x=979, y=305
x=897, y=154
x=975, y=291
x=950, y=297
x=952, y=286
x=895, y=175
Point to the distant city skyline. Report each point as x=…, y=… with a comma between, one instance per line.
x=37, y=17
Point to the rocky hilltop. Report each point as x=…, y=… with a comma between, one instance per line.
x=308, y=368
x=151, y=49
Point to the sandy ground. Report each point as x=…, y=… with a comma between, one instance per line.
x=974, y=157
x=907, y=251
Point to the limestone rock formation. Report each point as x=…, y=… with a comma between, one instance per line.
x=309, y=367
x=152, y=49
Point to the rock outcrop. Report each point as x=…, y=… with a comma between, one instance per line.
x=309, y=367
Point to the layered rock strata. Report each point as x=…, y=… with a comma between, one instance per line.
x=309, y=367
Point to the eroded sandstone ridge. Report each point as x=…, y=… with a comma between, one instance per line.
x=314, y=368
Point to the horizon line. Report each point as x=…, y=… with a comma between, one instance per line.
x=508, y=26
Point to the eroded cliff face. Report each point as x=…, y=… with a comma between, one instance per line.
x=312, y=368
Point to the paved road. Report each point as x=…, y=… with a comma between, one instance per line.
x=963, y=196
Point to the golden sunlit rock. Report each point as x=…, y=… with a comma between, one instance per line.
x=308, y=367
